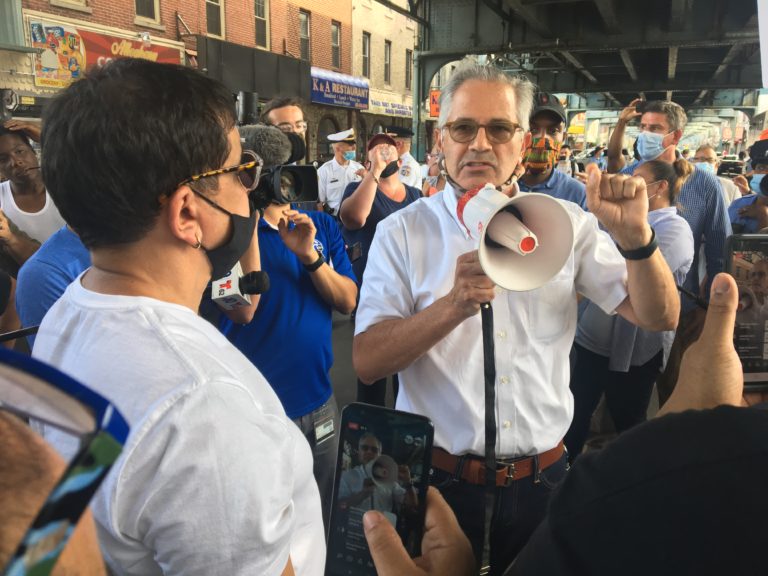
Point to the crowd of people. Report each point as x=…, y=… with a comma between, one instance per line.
x=229, y=466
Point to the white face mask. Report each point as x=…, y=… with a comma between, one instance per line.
x=706, y=166
x=649, y=145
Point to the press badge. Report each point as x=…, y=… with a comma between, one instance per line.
x=324, y=430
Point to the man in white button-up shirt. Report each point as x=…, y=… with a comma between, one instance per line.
x=334, y=175
x=418, y=312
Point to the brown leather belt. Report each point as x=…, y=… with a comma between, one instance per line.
x=472, y=468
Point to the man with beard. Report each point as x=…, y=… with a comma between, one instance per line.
x=542, y=147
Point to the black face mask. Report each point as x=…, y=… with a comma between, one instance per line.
x=389, y=169
x=224, y=257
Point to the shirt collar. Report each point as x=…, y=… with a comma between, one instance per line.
x=451, y=202
x=549, y=183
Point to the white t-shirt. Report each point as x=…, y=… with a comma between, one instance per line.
x=332, y=180
x=534, y=330
x=38, y=225
x=214, y=478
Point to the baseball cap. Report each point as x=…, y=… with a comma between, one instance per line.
x=380, y=139
x=548, y=102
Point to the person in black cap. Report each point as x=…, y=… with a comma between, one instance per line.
x=410, y=170
x=749, y=214
x=542, y=150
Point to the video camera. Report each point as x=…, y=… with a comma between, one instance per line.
x=282, y=181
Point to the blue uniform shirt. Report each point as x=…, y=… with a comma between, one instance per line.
x=560, y=185
x=44, y=277
x=289, y=338
x=749, y=224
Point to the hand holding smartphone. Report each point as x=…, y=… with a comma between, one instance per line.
x=383, y=464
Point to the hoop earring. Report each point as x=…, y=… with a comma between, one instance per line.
x=199, y=243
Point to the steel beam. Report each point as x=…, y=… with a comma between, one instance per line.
x=579, y=66
x=529, y=16
x=627, y=59
x=677, y=14
x=672, y=62
x=607, y=11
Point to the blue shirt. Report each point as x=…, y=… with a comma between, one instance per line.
x=749, y=225
x=703, y=207
x=289, y=338
x=44, y=277
x=560, y=185
x=382, y=207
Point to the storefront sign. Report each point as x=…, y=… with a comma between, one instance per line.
x=68, y=51
x=336, y=89
x=386, y=108
x=434, y=103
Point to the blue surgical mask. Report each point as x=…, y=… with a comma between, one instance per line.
x=349, y=155
x=706, y=166
x=649, y=145
x=754, y=184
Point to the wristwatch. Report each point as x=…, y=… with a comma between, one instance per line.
x=316, y=264
x=640, y=253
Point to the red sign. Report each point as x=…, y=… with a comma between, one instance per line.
x=66, y=51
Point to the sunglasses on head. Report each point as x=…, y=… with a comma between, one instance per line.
x=248, y=171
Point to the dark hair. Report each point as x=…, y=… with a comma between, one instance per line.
x=565, y=146
x=18, y=133
x=127, y=134
x=280, y=102
x=676, y=116
x=674, y=174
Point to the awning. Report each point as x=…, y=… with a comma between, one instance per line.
x=336, y=89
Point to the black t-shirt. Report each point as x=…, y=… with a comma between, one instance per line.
x=683, y=494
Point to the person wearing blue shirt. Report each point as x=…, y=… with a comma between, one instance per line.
x=289, y=338
x=700, y=202
x=749, y=214
x=44, y=277
x=547, y=130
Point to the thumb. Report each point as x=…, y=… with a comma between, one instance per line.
x=387, y=551
x=721, y=313
x=593, y=182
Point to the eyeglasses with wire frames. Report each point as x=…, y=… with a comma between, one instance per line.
x=497, y=131
x=298, y=127
x=248, y=171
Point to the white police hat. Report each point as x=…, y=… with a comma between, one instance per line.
x=347, y=136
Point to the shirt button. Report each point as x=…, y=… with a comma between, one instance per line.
x=501, y=334
x=507, y=424
x=504, y=380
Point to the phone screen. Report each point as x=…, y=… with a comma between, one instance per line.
x=383, y=464
x=747, y=262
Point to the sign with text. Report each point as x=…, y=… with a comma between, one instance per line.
x=434, y=103
x=336, y=89
x=68, y=51
x=386, y=108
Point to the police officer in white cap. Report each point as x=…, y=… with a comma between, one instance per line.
x=334, y=175
x=410, y=171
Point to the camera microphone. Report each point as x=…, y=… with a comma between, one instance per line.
x=234, y=290
x=270, y=143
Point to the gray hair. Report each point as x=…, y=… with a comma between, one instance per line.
x=676, y=116
x=471, y=70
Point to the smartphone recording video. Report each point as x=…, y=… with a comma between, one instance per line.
x=747, y=262
x=383, y=464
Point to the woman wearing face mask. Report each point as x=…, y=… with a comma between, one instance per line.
x=214, y=476
x=363, y=206
x=435, y=181
x=613, y=356
x=749, y=214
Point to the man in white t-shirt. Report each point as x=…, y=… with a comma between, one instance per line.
x=334, y=175
x=214, y=477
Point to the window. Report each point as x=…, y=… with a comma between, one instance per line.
x=408, y=68
x=366, y=55
x=336, y=44
x=262, y=23
x=147, y=9
x=12, y=28
x=387, y=61
x=304, y=34
x=214, y=16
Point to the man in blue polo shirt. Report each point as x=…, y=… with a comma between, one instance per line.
x=289, y=338
x=749, y=214
x=543, y=143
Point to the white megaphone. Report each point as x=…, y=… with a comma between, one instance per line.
x=524, y=241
